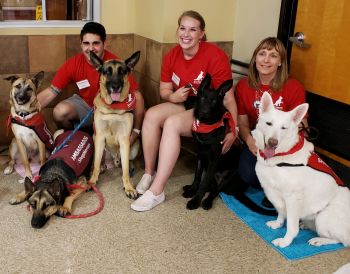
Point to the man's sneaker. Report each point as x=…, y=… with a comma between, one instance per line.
x=147, y=201
x=144, y=183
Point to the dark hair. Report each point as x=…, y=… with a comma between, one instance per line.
x=281, y=76
x=195, y=15
x=94, y=28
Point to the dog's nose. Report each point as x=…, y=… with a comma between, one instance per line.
x=272, y=142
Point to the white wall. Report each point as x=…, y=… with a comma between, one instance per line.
x=254, y=20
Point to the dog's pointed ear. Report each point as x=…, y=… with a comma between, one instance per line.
x=96, y=61
x=28, y=186
x=299, y=112
x=225, y=87
x=265, y=103
x=11, y=78
x=38, y=78
x=205, y=84
x=132, y=60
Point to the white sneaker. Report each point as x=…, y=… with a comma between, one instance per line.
x=144, y=183
x=148, y=201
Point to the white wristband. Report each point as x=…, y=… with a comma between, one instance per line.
x=137, y=131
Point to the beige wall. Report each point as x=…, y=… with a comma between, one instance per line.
x=253, y=21
x=245, y=22
x=157, y=19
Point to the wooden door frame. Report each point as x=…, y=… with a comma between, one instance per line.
x=286, y=24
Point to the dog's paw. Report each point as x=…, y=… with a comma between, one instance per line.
x=207, y=204
x=21, y=181
x=188, y=191
x=15, y=201
x=63, y=211
x=8, y=170
x=131, y=193
x=319, y=241
x=274, y=224
x=192, y=204
x=281, y=242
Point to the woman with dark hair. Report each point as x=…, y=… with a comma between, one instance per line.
x=268, y=72
x=183, y=69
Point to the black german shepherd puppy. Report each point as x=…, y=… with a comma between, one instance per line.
x=215, y=172
x=70, y=165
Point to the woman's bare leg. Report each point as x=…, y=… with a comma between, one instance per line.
x=174, y=127
x=152, y=131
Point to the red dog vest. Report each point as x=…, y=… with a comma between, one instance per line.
x=76, y=152
x=317, y=163
x=206, y=128
x=37, y=123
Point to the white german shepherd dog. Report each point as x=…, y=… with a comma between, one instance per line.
x=298, y=192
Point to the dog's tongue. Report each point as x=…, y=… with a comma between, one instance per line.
x=269, y=152
x=115, y=96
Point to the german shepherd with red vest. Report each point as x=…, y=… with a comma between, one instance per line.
x=51, y=194
x=113, y=116
x=31, y=136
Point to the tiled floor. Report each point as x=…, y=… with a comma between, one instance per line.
x=168, y=239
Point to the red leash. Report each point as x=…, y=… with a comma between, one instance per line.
x=96, y=211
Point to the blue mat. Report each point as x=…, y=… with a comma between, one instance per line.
x=298, y=249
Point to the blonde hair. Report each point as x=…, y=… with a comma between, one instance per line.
x=195, y=15
x=281, y=76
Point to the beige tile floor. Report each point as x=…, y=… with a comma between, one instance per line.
x=168, y=239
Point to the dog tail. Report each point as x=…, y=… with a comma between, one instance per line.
x=235, y=186
x=246, y=201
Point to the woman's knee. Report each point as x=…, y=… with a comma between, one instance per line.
x=152, y=118
x=179, y=124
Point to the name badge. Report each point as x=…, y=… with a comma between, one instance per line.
x=83, y=84
x=175, y=79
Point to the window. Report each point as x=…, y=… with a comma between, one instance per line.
x=48, y=13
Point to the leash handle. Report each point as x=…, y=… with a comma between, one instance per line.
x=91, y=111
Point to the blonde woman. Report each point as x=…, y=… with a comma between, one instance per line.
x=164, y=124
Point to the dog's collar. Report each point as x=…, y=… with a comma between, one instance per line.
x=199, y=127
x=128, y=104
x=298, y=146
x=36, y=119
x=23, y=114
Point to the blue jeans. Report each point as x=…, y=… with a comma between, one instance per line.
x=246, y=168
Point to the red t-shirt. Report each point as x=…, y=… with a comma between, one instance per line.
x=291, y=95
x=78, y=69
x=209, y=59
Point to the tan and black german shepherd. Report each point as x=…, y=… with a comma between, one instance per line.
x=113, y=117
x=50, y=194
x=31, y=136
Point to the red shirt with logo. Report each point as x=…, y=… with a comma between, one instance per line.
x=78, y=69
x=209, y=59
x=291, y=95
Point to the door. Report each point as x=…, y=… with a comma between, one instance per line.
x=324, y=68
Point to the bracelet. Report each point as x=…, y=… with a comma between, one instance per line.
x=137, y=131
